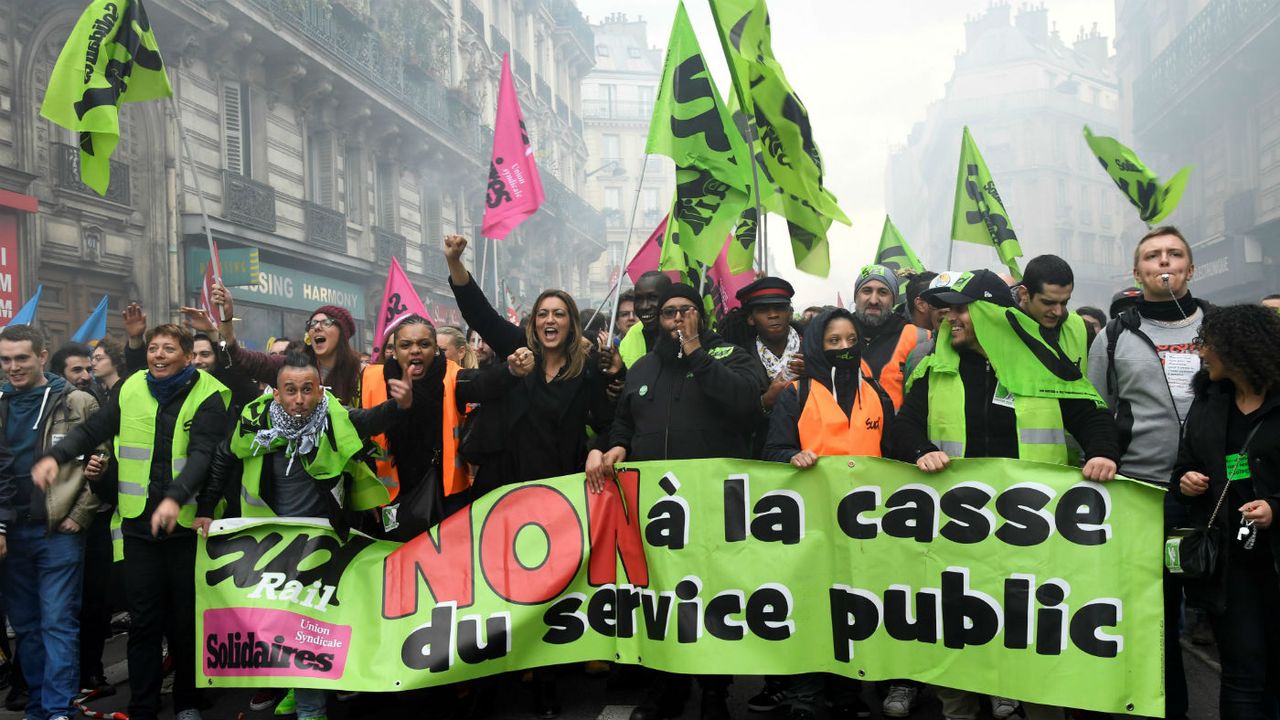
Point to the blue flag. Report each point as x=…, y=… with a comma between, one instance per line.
x=96, y=326
x=27, y=315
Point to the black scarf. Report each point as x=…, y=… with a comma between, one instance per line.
x=1168, y=310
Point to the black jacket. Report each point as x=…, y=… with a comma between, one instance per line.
x=704, y=405
x=208, y=428
x=538, y=429
x=1204, y=449
x=990, y=429
x=7, y=488
x=784, y=431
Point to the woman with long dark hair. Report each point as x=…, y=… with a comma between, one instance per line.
x=327, y=341
x=539, y=429
x=1228, y=473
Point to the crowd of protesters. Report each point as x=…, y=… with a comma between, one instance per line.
x=125, y=451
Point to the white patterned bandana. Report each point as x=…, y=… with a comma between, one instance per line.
x=300, y=435
x=774, y=365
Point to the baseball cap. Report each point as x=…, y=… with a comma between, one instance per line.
x=968, y=287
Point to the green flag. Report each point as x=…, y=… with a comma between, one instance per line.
x=790, y=164
x=1153, y=200
x=894, y=252
x=691, y=126
x=980, y=217
x=110, y=58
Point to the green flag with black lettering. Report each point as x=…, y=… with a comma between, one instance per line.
x=791, y=167
x=111, y=58
x=1154, y=200
x=894, y=252
x=979, y=216
x=691, y=126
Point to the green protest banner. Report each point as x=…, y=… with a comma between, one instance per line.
x=979, y=215
x=1154, y=200
x=691, y=126
x=990, y=576
x=111, y=58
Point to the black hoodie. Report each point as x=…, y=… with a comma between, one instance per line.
x=784, y=430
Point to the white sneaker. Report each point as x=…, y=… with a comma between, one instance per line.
x=1001, y=708
x=900, y=701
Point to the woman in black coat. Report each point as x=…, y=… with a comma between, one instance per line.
x=546, y=415
x=1230, y=457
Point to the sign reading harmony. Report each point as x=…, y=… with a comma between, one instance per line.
x=989, y=577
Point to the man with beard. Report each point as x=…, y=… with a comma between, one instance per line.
x=640, y=338
x=71, y=361
x=693, y=396
x=886, y=337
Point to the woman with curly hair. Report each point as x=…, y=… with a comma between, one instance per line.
x=1228, y=471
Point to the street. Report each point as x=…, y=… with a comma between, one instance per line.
x=583, y=697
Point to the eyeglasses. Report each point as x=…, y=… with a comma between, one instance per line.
x=671, y=312
x=323, y=324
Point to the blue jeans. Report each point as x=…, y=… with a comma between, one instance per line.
x=311, y=703
x=42, y=586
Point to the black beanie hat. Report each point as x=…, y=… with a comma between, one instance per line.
x=681, y=290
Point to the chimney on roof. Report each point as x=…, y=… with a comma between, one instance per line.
x=1033, y=21
x=1092, y=45
x=995, y=17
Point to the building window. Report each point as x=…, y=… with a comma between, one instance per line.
x=613, y=206
x=602, y=50
x=236, y=130
x=610, y=147
x=353, y=183
x=384, y=189
x=321, y=170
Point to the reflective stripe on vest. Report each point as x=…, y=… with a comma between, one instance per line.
x=1039, y=422
x=135, y=438
x=826, y=430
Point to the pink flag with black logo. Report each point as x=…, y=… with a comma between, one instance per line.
x=646, y=258
x=399, y=301
x=515, y=190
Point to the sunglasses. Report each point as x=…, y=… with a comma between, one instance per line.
x=671, y=312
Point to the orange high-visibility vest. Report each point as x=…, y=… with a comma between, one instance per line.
x=891, y=376
x=453, y=471
x=826, y=430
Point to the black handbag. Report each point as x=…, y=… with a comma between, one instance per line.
x=419, y=508
x=1194, y=553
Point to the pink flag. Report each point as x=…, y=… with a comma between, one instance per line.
x=515, y=190
x=399, y=301
x=646, y=258
x=728, y=282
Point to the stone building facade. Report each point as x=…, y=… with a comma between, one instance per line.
x=330, y=135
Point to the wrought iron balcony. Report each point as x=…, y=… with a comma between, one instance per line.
x=573, y=210
x=248, y=202
x=368, y=55
x=523, y=70
x=433, y=263
x=66, y=162
x=472, y=15
x=1212, y=35
x=636, y=110
x=498, y=40
x=326, y=228
x=388, y=245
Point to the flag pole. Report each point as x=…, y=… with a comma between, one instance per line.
x=616, y=290
x=951, y=248
x=214, y=262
